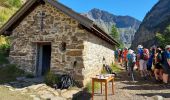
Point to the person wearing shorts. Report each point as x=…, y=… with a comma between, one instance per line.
x=166, y=64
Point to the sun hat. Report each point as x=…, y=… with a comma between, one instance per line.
x=168, y=46
x=130, y=51
x=140, y=46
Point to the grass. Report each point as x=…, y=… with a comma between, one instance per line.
x=89, y=87
x=115, y=69
x=3, y=59
x=9, y=73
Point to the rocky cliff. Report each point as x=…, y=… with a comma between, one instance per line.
x=126, y=25
x=155, y=21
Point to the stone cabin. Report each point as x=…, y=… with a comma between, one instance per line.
x=46, y=35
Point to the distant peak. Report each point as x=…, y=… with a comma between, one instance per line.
x=95, y=9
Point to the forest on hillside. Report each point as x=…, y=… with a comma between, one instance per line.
x=8, y=8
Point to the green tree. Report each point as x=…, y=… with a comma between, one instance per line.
x=15, y=3
x=10, y=3
x=164, y=39
x=114, y=33
x=4, y=3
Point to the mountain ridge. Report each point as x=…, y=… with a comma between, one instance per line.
x=126, y=25
x=156, y=20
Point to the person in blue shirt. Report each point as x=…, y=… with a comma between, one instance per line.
x=150, y=61
x=131, y=60
x=166, y=64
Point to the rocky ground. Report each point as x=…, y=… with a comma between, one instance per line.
x=35, y=89
x=138, y=90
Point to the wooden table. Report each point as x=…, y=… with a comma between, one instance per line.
x=103, y=80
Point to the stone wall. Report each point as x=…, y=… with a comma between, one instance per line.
x=57, y=28
x=95, y=49
x=84, y=51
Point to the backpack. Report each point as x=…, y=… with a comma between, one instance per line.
x=129, y=57
x=108, y=69
x=159, y=58
x=145, y=54
x=66, y=82
x=141, y=54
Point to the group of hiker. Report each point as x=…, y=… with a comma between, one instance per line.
x=149, y=62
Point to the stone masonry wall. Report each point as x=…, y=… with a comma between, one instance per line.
x=84, y=51
x=95, y=49
x=57, y=28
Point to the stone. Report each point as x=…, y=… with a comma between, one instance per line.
x=58, y=98
x=36, y=98
x=80, y=47
x=157, y=97
x=69, y=94
x=32, y=96
x=20, y=78
x=78, y=77
x=23, y=90
x=35, y=87
x=11, y=89
x=74, y=53
x=55, y=92
x=64, y=90
x=47, y=96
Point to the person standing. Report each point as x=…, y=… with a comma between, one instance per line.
x=120, y=56
x=116, y=55
x=131, y=60
x=166, y=65
x=142, y=67
x=125, y=52
x=158, y=72
x=150, y=62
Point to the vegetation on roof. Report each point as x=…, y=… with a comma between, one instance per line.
x=8, y=8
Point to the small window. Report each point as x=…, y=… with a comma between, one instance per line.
x=63, y=46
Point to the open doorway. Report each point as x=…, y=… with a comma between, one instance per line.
x=43, y=59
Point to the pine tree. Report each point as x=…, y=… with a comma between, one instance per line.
x=114, y=33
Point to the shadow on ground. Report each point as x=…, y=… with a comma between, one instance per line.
x=165, y=95
x=82, y=95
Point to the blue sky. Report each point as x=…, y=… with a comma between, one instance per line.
x=134, y=8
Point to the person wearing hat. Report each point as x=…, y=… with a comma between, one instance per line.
x=140, y=58
x=166, y=64
x=131, y=60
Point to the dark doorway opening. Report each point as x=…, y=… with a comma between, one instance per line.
x=43, y=58
x=46, y=58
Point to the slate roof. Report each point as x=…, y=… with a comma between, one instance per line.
x=30, y=5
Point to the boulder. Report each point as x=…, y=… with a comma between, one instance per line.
x=69, y=93
x=157, y=97
x=58, y=98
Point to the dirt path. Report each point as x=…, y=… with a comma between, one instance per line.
x=128, y=90
x=138, y=90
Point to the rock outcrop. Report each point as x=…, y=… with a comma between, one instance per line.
x=126, y=25
x=155, y=21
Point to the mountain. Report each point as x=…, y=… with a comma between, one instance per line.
x=156, y=20
x=126, y=25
